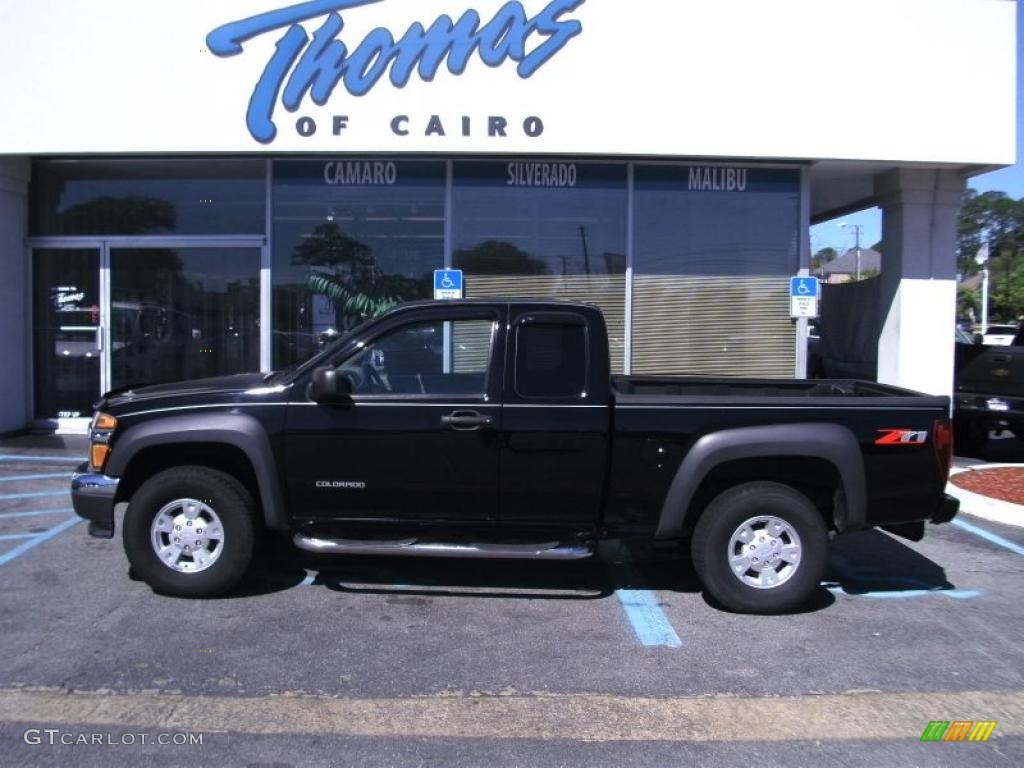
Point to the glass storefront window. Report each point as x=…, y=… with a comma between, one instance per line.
x=544, y=229
x=149, y=197
x=351, y=238
x=183, y=313
x=713, y=249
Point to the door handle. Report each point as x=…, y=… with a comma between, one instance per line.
x=466, y=420
x=1000, y=358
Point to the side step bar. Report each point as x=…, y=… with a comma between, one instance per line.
x=551, y=550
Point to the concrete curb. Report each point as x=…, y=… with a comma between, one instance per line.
x=985, y=507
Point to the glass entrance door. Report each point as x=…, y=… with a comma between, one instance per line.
x=67, y=332
x=183, y=312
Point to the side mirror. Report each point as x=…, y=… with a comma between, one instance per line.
x=979, y=339
x=328, y=387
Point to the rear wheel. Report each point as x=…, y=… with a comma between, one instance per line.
x=760, y=548
x=190, y=532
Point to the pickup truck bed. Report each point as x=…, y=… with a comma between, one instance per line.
x=493, y=429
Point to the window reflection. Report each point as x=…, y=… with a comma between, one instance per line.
x=183, y=313
x=544, y=229
x=713, y=247
x=148, y=197
x=352, y=238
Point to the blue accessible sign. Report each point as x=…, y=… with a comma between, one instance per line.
x=803, y=296
x=447, y=283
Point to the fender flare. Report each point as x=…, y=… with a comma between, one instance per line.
x=235, y=429
x=832, y=442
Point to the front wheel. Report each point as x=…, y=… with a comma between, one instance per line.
x=761, y=548
x=189, y=532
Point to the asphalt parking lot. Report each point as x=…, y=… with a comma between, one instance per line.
x=614, y=661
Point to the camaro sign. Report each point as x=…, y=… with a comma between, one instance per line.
x=315, y=65
x=571, y=78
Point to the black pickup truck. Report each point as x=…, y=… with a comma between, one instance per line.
x=988, y=391
x=493, y=429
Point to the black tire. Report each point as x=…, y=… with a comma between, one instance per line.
x=225, y=496
x=724, y=516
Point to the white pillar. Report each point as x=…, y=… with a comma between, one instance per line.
x=918, y=291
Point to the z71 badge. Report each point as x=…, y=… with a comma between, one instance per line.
x=902, y=437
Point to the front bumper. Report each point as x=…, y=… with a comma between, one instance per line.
x=92, y=496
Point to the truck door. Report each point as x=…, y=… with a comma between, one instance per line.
x=419, y=440
x=555, y=425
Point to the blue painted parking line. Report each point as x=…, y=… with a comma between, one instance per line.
x=868, y=576
x=994, y=538
x=898, y=594
x=34, y=512
x=33, y=495
x=38, y=539
x=642, y=607
x=65, y=459
x=44, y=476
x=649, y=622
x=14, y=536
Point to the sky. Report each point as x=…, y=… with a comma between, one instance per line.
x=1009, y=180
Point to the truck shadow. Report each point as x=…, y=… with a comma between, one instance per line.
x=869, y=564
x=876, y=564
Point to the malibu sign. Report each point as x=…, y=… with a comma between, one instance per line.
x=316, y=65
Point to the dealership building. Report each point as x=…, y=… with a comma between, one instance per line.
x=204, y=190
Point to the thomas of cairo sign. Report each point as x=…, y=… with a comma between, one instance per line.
x=302, y=65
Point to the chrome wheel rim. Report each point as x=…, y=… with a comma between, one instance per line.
x=764, y=552
x=187, y=535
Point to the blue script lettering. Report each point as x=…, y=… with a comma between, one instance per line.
x=302, y=65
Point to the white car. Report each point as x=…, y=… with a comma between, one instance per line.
x=1000, y=335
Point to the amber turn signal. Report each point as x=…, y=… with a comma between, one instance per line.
x=104, y=421
x=98, y=453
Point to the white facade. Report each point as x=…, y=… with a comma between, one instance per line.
x=688, y=78
x=702, y=83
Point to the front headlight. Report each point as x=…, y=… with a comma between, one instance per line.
x=103, y=425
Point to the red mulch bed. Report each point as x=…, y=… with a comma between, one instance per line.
x=1005, y=483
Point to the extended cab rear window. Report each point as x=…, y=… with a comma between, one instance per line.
x=551, y=358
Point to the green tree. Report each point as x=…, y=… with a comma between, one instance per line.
x=823, y=257
x=998, y=220
x=350, y=276
x=968, y=302
x=990, y=217
x=495, y=257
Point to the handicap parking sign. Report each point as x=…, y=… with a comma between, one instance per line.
x=447, y=283
x=803, y=296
